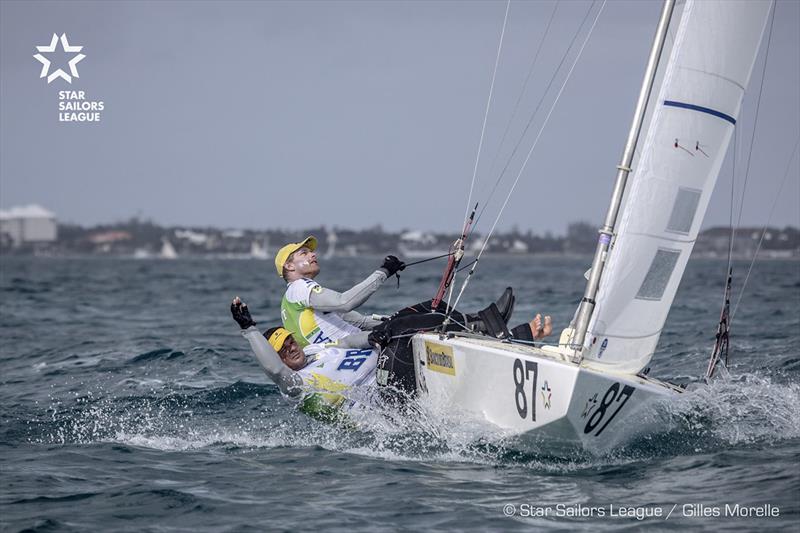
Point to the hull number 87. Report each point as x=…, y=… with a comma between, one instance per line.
x=610, y=405
x=528, y=372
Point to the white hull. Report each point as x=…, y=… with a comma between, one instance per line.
x=536, y=394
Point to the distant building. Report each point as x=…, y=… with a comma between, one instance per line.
x=28, y=224
x=518, y=247
x=417, y=243
x=109, y=237
x=194, y=237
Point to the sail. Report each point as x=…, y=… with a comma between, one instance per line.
x=688, y=133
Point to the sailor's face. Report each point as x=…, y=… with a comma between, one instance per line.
x=291, y=354
x=304, y=263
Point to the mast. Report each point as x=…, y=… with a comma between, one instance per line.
x=623, y=169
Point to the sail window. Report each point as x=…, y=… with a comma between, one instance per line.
x=683, y=210
x=655, y=282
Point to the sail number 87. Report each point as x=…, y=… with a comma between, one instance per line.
x=520, y=376
x=612, y=395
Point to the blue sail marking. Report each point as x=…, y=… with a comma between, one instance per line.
x=701, y=109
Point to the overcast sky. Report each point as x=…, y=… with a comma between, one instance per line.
x=350, y=114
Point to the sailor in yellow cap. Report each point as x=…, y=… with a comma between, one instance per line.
x=315, y=314
x=322, y=383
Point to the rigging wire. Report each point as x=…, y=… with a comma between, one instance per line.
x=721, y=346
x=527, y=158
x=486, y=113
x=737, y=139
x=467, y=218
x=524, y=87
x=755, y=124
x=764, y=231
x=732, y=238
x=535, y=112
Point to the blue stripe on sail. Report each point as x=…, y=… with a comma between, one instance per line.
x=702, y=109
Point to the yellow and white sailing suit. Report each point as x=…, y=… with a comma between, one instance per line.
x=322, y=385
x=316, y=315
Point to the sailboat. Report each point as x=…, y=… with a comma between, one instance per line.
x=592, y=389
x=332, y=239
x=167, y=250
x=258, y=250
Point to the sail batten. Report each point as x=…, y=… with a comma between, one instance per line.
x=687, y=136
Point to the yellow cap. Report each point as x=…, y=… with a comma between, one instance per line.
x=284, y=253
x=278, y=337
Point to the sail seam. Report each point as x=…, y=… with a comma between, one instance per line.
x=604, y=335
x=715, y=75
x=682, y=241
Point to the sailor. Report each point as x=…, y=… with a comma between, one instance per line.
x=320, y=383
x=315, y=314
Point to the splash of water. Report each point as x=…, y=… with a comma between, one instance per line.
x=751, y=409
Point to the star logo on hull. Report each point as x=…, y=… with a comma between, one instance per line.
x=59, y=73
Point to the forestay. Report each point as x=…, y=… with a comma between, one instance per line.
x=715, y=47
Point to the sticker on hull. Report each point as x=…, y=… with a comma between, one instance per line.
x=440, y=358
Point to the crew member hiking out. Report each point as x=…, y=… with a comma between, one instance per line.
x=315, y=314
x=319, y=383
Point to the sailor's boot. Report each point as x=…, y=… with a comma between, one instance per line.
x=494, y=319
x=491, y=322
x=505, y=304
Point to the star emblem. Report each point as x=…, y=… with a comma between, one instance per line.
x=59, y=73
x=547, y=394
x=591, y=403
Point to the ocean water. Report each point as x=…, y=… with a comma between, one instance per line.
x=131, y=403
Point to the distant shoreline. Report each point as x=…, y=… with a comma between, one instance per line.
x=145, y=239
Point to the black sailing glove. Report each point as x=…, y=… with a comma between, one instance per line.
x=241, y=314
x=391, y=265
x=378, y=338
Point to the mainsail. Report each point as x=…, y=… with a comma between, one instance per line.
x=690, y=127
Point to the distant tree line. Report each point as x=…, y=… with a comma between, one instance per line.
x=145, y=238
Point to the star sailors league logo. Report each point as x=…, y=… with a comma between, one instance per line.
x=73, y=106
x=67, y=48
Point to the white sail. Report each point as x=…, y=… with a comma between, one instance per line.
x=690, y=127
x=167, y=250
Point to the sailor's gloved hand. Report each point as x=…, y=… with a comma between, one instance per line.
x=241, y=314
x=391, y=265
x=379, y=338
